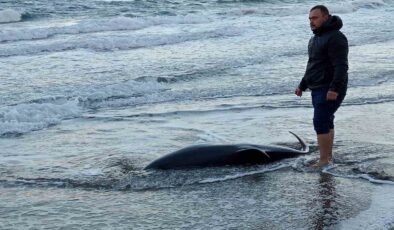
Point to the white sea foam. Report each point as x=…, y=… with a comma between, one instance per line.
x=361, y=176
x=239, y=175
x=91, y=26
x=116, y=43
x=125, y=93
x=273, y=10
x=24, y=118
x=352, y=6
x=123, y=89
x=9, y=15
x=39, y=114
x=369, y=3
x=349, y=7
x=287, y=10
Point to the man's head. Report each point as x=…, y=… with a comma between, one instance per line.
x=318, y=15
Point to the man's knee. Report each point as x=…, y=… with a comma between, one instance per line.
x=322, y=127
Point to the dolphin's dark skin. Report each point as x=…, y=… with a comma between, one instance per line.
x=221, y=155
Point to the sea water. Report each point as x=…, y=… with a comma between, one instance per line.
x=92, y=91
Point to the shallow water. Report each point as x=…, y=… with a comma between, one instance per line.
x=92, y=91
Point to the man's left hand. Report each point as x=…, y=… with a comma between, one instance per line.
x=332, y=95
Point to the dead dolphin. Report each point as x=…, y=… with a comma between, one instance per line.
x=220, y=155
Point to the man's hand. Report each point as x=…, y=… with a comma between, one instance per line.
x=298, y=92
x=332, y=96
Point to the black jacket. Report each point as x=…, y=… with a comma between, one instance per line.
x=328, y=63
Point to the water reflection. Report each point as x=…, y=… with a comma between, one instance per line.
x=327, y=211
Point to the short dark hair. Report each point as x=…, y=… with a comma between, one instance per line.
x=322, y=8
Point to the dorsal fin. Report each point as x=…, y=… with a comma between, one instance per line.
x=305, y=146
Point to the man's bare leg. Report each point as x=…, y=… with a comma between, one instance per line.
x=325, y=142
x=332, y=136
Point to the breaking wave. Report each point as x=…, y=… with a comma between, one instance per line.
x=10, y=15
x=92, y=26
x=42, y=113
x=117, y=43
x=271, y=8
x=23, y=118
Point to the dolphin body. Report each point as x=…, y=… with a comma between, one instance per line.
x=198, y=156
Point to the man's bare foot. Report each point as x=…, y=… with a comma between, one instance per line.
x=319, y=164
x=330, y=159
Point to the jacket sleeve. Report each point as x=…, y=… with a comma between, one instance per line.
x=338, y=50
x=303, y=86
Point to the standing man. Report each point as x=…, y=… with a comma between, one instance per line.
x=326, y=76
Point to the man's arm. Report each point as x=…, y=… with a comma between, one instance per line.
x=302, y=86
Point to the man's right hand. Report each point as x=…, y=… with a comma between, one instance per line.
x=298, y=92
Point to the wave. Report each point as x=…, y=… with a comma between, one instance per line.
x=92, y=26
x=352, y=6
x=180, y=112
x=280, y=104
x=23, y=118
x=26, y=16
x=351, y=170
x=219, y=69
x=36, y=114
x=10, y=15
x=369, y=101
x=371, y=3
x=375, y=178
x=272, y=8
x=118, y=43
x=363, y=3
x=252, y=1
x=41, y=113
x=366, y=79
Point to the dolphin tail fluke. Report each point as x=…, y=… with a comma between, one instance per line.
x=305, y=146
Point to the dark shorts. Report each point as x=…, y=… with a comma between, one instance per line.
x=323, y=116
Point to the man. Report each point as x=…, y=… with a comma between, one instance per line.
x=326, y=76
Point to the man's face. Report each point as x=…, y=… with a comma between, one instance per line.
x=316, y=19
